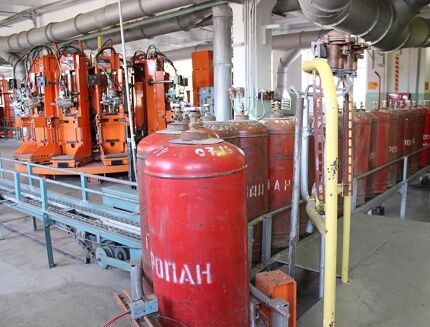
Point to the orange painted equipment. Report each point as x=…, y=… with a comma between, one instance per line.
x=73, y=106
x=6, y=109
x=157, y=109
x=110, y=110
x=203, y=72
x=40, y=135
x=277, y=284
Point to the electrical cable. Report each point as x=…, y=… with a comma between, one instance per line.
x=117, y=317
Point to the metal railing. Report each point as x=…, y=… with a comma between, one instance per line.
x=85, y=190
x=402, y=185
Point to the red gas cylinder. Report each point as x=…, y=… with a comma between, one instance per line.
x=147, y=145
x=402, y=134
x=198, y=227
x=417, y=136
x=362, y=127
x=281, y=162
x=379, y=155
x=224, y=130
x=253, y=140
x=393, y=148
x=425, y=155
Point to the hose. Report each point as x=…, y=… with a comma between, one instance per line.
x=117, y=317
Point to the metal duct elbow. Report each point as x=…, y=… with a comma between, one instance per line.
x=281, y=90
x=387, y=25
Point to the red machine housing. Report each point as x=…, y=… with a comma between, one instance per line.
x=281, y=162
x=198, y=234
x=111, y=119
x=203, y=72
x=152, y=111
x=254, y=142
x=6, y=109
x=417, y=137
x=72, y=100
x=41, y=143
x=362, y=127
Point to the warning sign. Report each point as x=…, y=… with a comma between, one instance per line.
x=372, y=85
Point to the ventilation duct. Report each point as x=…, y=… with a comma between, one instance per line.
x=88, y=22
x=387, y=25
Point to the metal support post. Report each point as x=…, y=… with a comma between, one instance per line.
x=132, y=138
x=17, y=182
x=34, y=221
x=354, y=193
x=250, y=243
x=84, y=185
x=404, y=189
x=30, y=174
x=46, y=222
x=267, y=240
x=1, y=168
x=294, y=224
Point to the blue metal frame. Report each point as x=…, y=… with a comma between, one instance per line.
x=49, y=218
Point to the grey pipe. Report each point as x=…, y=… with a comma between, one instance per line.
x=281, y=90
x=88, y=22
x=222, y=54
x=295, y=205
x=280, y=312
x=301, y=40
x=388, y=25
x=170, y=25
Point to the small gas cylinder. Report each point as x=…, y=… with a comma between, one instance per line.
x=281, y=162
x=196, y=203
x=224, y=130
x=425, y=155
x=362, y=127
x=417, y=137
x=253, y=140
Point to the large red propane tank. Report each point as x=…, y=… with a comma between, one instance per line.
x=362, y=127
x=425, y=155
x=147, y=145
x=280, y=186
x=417, y=137
x=253, y=140
x=393, y=149
x=224, y=130
x=378, y=182
x=196, y=200
x=402, y=127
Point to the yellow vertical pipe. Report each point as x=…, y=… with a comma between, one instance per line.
x=99, y=41
x=330, y=181
x=346, y=243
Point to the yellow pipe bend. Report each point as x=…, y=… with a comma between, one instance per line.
x=321, y=67
x=315, y=216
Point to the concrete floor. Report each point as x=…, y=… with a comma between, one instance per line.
x=70, y=294
x=389, y=275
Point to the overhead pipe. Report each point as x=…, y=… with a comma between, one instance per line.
x=321, y=67
x=146, y=31
x=387, y=24
x=281, y=90
x=222, y=60
x=88, y=22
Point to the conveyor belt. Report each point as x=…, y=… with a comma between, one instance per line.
x=70, y=210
